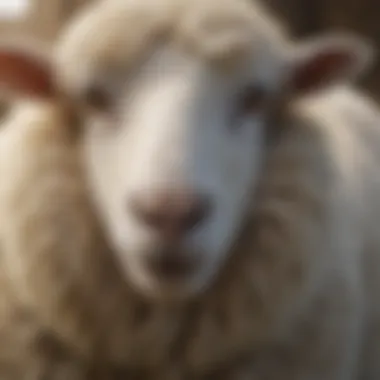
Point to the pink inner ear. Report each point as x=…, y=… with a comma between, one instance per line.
x=320, y=69
x=25, y=75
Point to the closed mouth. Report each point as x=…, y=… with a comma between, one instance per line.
x=172, y=266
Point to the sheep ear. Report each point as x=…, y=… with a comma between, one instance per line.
x=319, y=63
x=25, y=69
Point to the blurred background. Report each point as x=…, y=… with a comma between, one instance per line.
x=44, y=18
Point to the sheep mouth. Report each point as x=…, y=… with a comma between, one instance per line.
x=172, y=265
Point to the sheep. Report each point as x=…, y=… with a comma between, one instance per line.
x=196, y=198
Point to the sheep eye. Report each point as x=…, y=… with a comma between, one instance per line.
x=252, y=98
x=5, y=107
x=97, y=98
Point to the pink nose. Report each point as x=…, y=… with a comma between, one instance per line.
x=171, y=213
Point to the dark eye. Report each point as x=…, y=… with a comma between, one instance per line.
x=97, y=98
x=251, y=99
x=5, y=107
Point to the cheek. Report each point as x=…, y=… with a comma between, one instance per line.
x=106, y=169
x=241, y=160
x=237, y=163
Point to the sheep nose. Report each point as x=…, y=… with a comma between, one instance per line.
x=171, y=213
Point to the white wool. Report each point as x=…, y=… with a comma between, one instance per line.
x=289, y=275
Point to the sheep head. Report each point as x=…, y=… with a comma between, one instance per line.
x=175, y=99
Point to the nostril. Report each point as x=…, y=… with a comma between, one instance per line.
x=197, y=213
x=147, y=213
x=171, y=212
x=148, y=216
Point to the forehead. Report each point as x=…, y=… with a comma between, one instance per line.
x=120, y=35
x=173, y=80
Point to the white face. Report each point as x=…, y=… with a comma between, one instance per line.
x=174, y=147
x=179, y=130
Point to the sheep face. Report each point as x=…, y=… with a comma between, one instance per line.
x=174, y=143
x=172, y=166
